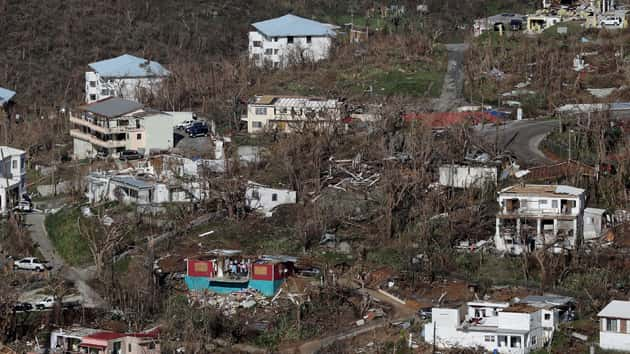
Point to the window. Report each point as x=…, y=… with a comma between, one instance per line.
x=488, y=338
x=554, y=203
x=258, y=44
x=275, y=39
x=276, y=51
x=290, y=40
x=308, y=39
x=534, y=340
x=268, y=51
x=104, y=92
x=261, y=111
x=255, y=195
x=129, y=348
x=14, y=164
x=257, y=125
x=256, y=56
x=542, y=202
x=502, y=341
x=137, y=123
x=92, y=83
x=274, y=197
x=138, y=136
x=547, y=316
x=611, y=325
x=92, y=97
x=515, y=342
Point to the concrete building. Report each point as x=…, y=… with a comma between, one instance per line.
x=289, y=39
x=555, y=309
x=537, y=216
x=614, y=330
x=115, y=124
x=125, y=76
x=495, y=327
x=12, y=177
x=458, y=176
x=265, y=199
x=286, y=114
x=64, y=341
x=121, y=343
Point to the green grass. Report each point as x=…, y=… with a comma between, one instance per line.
x=418, y=80
x=64, y=233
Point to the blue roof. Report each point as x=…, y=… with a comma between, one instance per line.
x=128, y=66
x=6, y=95
x=291, y=25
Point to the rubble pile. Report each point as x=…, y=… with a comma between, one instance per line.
x=229, y=304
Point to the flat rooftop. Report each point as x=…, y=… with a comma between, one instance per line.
x=543, y=190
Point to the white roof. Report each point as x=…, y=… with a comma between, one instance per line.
x=7, y=151
x=298, y=102
x=616, y=309
x=594, y=211
x=291, y=25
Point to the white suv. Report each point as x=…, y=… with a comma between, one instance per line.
x=31, y=263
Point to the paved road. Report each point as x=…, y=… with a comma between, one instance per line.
x=37, y=231
x=525, y=146
x=453, y=86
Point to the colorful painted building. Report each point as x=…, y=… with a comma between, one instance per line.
x=227, y=273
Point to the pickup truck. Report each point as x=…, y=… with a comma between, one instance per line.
x=31, y=263
x=48, y=302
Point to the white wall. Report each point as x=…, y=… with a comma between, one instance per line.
x=127, y=88
x=279, y=53
x=158, y=130
x=467, y=176
x=262, y=198
x=614, y=341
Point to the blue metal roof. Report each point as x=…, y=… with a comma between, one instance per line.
x=6, y=95
x=291, y=25
x=128, y=66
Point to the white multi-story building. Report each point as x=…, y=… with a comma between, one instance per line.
x=12, y=177
x=614, y=331
x=496, y=327
x=289, y=39
x=112, y=125
x=536, y=216
x=125, y=76
x=286, y=113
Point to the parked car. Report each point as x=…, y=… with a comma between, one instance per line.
x=22, y=307
x=47, y=302
x=198, y=130
x=185, y=124
x=610, y=21
x=194, y=125
x=24, y=206
x=425, y=313
x=31, y=263
x=129, y=155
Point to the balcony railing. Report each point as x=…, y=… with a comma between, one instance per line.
x=537, y=211
x=96, y=127
x=109, y=144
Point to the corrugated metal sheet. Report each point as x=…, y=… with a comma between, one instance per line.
x=133, y=182
x=128, y=66
x=6, y=95
x=291, y=25
x=112, y=107
x=569, y=190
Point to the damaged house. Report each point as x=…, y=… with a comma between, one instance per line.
x=265, y=199
x=462, y=176
x=536, y=216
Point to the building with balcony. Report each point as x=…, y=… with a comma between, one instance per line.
x=12, y=177
x=614, y=331
x=539, y=216
x=286, y=113
x=78, y=340
x=125, y=76
x=115, y=124
x=288, y=40
x=497, y=327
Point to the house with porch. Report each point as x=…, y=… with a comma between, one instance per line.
x=112, y=125
x=539, y=216
x=12, y=177
x=125, y=76
x=285, y=114
x=495, y=327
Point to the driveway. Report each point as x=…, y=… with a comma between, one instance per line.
x=37, y=231
x=526, y=136
x=453, y=86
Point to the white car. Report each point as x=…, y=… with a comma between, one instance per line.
x=185, y=124
x=46, y=302
x=610, y=21
x=24, y=206
x=31, y=263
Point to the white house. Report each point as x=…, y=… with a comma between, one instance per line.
x=536, y=216
x=500, y=327
x=264, y=199
x=286, y=113
x=68, y=340
x=125, y=76
x=614, y=330
x=459, y=176
x=12, y=177
x=555, y=309
x=289, y=39
x=115, y=124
